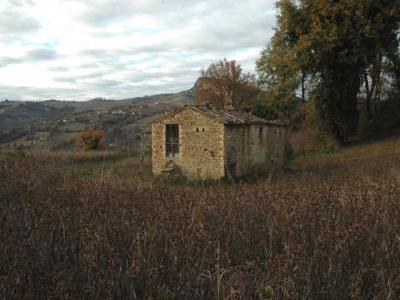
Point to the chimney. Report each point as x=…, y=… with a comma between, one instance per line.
x=228, y=105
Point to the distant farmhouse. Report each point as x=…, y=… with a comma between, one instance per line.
x=204, y=143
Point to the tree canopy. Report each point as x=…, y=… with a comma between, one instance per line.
x=225, y=84
x=334, y=50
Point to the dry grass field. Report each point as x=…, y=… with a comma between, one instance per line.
x=328, y=227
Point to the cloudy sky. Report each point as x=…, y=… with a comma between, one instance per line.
x=80, y=49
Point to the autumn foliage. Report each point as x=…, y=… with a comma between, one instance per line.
x=225, y=84
x=337, y=52
x=90, y=140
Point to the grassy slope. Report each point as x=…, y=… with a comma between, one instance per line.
x=370, y=159
x=362, y=151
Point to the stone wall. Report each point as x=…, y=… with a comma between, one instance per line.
x=276, y=142
x=236, y=152
x=201, y=145
x=258, y=144
x=210, y=150
x=267, y=144
x=253, y=147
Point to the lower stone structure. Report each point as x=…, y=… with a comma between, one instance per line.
x=208, y=144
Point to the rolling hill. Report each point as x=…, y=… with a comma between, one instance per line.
x=53, y=124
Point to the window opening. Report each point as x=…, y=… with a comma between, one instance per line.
x=172, y=140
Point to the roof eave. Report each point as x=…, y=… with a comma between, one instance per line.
x=183, y=108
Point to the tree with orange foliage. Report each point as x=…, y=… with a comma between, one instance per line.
x=90, y=140
x=225, y=84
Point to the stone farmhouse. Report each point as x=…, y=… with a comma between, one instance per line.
x=204, y=143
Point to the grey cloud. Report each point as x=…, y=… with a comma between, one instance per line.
x=40, y=54
x=109, y=54
x=15, y=22
x=107, y=89
x=96, y=52
x=71, y=78
x=34, y=55
x=20, y=3
x=107, y=83
x=213, y=26
x=66, y=79
x=31, y=93
x=58, y=69
x=88, y=65
x=5, y=61
x=104, y=12
x=189, y=36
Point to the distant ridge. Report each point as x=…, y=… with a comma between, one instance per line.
x=21, y=121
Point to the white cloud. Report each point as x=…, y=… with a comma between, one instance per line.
x=78, y=49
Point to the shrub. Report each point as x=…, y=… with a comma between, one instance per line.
x=90, y=140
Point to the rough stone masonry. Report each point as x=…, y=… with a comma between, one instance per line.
x=204, y=143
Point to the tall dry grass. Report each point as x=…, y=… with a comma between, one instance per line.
x=302, y=237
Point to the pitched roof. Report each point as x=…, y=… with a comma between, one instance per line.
x=229, y=117
x=236, y=117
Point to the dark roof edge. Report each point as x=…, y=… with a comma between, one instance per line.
x=220, y=119
x=178, y=110
x=267, y=123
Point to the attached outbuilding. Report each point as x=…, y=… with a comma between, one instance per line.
x=204, y=143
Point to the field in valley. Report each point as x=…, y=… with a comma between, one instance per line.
x=100, y=226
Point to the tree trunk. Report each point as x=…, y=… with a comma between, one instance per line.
x=368, y=96
x=303, y=86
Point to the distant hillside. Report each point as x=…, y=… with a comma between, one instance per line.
x=53, y=124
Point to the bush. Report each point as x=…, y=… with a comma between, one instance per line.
x=90, y=140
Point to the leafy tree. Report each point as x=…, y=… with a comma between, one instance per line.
x=90, y=140
x=341, y=45
x=281, y=71
x=262, y=110
x=225, y=84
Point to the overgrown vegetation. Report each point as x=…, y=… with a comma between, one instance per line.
x=329, y=230
x=90, y=140
x=339, y=52
x=225, y=84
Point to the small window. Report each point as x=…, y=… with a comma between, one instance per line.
x=202, y=130
x=260, y=134
x=197, y=129
x=172, y=140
